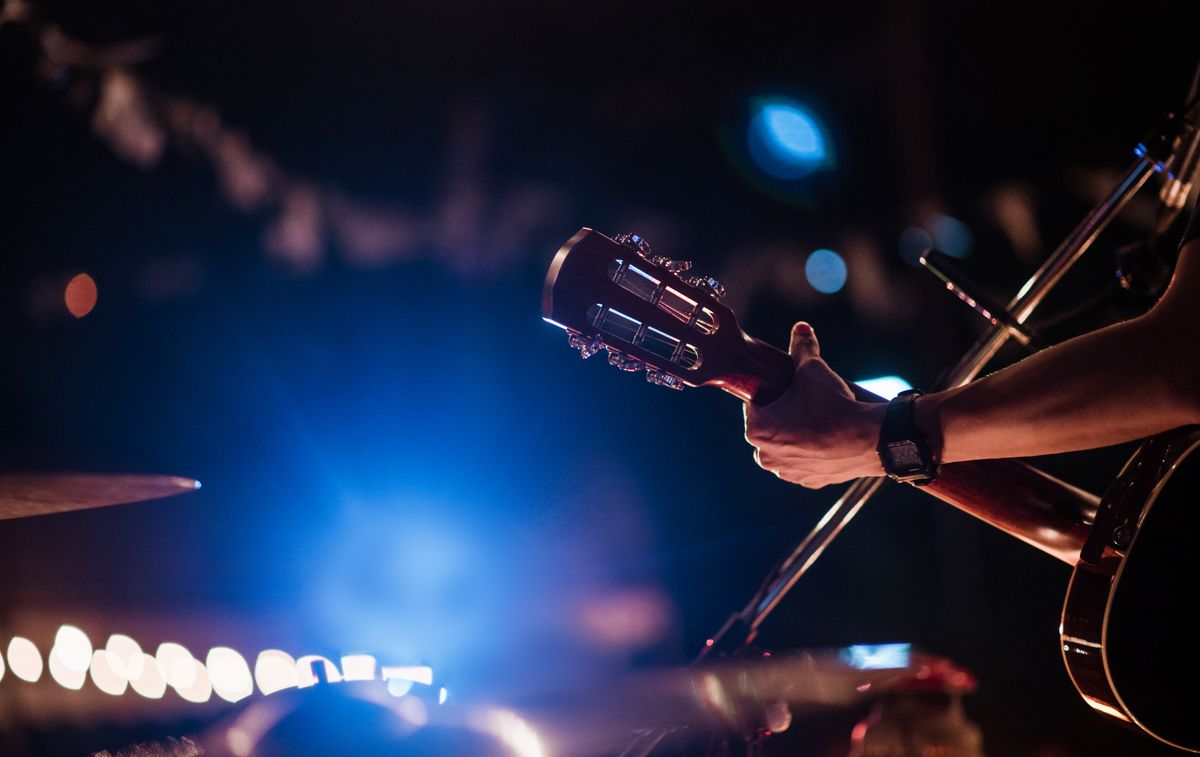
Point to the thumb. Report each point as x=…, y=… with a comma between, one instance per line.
x=804, y=344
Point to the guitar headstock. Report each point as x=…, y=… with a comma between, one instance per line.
x=652, y=313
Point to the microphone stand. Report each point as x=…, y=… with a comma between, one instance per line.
x=1160, y=151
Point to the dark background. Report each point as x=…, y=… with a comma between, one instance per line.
x=289, y=383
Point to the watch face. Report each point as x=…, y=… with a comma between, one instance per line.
x=903, y=456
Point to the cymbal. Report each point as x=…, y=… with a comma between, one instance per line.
x=26, y=494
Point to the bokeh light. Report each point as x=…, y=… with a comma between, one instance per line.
x=125, y=656
x=175, y=664
x=24, y=659
x=358, y=667
x=80, y=295
x=825, y=271
x=786, y=140
x=198, y=688
x=275, y=670
x=306, y=674
x=73, y=647
x=149, y=682
x=914, y=242
x=951, y=236
x=65, y=675
x=229, y=673
x=105, y=675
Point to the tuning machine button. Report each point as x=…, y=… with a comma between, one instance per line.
x=634, y=242
x=707, y=284
x=674, y=266
x=587, y=346
x=624, y=363
x=664, y=379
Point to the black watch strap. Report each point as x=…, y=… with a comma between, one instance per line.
x=905, y=452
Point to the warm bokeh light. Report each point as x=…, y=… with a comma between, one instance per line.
x=125, y=656
x=175, y=664
x=229, y=673
x=198, y=688
x=65, y=675
x=149, y=682
x=358, y=667
x=306, y=676
x=73, y=647
x=80, y=296
x=105, y=675
x=274, y=670
x=24, y=659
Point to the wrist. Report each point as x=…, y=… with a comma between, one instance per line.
x=927, y=415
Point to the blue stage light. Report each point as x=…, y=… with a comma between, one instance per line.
x=825, y=271
x=786, y=141
x=885, y=386
x=951, y=236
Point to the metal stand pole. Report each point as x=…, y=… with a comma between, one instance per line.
x=1155, y=154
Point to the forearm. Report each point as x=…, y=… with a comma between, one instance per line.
x=1123, y=382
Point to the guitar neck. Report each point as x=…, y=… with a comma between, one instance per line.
x=1011, y=495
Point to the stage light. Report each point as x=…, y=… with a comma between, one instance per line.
x=175, y=664
x=125, y=656
x=785, y=140
x=199, y=688
x=305, y=676
x=229, y=673
x=80, y=295
x=73, y=647
x=105, y=675
x=951, y=236
x=358, y=667
x=274, y=670
x=24, y=659
x=914, y=242
x=877, y=656
x=65, y=675
x=825, y=271
x=149, y=682
x=885, y=386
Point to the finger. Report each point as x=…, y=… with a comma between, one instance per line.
x=804, y=345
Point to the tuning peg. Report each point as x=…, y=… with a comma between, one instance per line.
x=624, y=363
x=708, y=284
x=587, y=346
x=634, y=242
x=664, y=379
x=674, y=266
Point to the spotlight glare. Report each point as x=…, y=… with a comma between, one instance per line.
x=885, y=386
x=73, y=647
x=24, y=659
x=825, y=271
x=229, y=673
x=275, y=670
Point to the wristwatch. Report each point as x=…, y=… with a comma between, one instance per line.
x=904, y=451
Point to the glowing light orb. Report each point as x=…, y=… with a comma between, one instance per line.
x=951, y=236
x=24, y=659
x=105, y=675
x=175, y=665
x=398, y=687
x=885, y=386
x=229, y=673
x=786, y=141
x=825, y=271
x=149, y=682
x=199, y=688
x=80, y=295
x=65, y=675
x=275, y=670
x=73, y=647
x=125, y=656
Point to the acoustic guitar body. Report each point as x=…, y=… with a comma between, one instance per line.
x=1127, y=639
